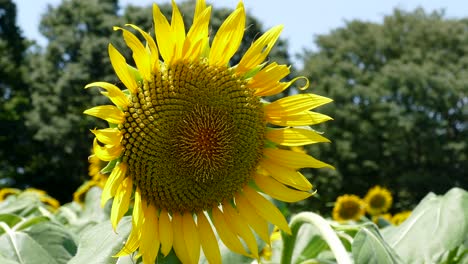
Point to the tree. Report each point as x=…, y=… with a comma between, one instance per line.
x=14, y=100
x=76, y=54
x=400, y=105
x=78, y=34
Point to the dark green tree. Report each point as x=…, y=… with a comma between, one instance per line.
x=76, y=54
x=14, y=100
x=78, y=33
x=400, y=105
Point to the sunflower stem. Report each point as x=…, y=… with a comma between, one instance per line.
x=341, y=255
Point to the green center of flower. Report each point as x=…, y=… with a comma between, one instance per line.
x=378, y=201
x=192, y=137
x=350, y=209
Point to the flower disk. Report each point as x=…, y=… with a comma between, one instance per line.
x=192, y=136
x=348, y=207
x=192, y=140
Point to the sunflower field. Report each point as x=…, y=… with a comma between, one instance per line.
x=180, y=133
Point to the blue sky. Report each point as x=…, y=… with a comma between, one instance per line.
x=303, y=19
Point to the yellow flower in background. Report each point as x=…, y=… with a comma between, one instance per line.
x=387, y=217
x=348, y=207
x=378, y=200
x=399, y=218
x=192, y=139
x=94, y=171
x=43, y=197
x=5, y=192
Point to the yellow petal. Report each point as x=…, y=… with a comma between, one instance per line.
x=137, y=214
x=178, y=31
x=153, y=50
x=226, y=234
x=279, y=191
x=241, y=228
x=268, y=76
x=108, y=136
x=250, y=215
x=133, y=241
x=120, y=67
x=199, y=9
x=108, y=152
x=142, y=60
x=295, y=104
x=197, y=37
x=110, y=113
x=286, y=175
x=180, y=248
x=266, y=209
x=165, y=232
x=113, y=182
x=132, y=244
x=192, y=241
x=163, y=33
x=305, y=118
x=149, y=244
x=293, y=159
x=208, y=240
x=228, y=38
x=257, y=53
x=121, y=201
x=294, y=136
x=113, y=93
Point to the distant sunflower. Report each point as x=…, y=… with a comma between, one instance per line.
x=44, y=197
x=399, y=218
x=378, y=200
x=5, y=192
x=348, y=207
x=192, y=140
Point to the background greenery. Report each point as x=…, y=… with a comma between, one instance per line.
x=399, y=88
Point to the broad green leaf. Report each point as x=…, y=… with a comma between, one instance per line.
x=369, y=247
x=31, y=221
x=9, y=219
x=437, y=225
x=309, y=244
x=7, y=261
x=19, y=247
x=23, y=205
x=99, y=243
x=55, y=239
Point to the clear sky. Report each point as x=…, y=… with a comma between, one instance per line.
x=303, y=19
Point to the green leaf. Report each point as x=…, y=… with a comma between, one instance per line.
x=42, y=243
x=369, y=247
x=9, y=219
x=54, y=238
x=437, y=225
x=32, y=221
x=99, y=243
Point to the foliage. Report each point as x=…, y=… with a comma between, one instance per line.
x=33, y=232
x=400, y=106
x=14, y=97
x=78, y=33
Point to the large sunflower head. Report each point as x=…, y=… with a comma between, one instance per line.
x=348, y=207
x=193, y=141
x=378, y=200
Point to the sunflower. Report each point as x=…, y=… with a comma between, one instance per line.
x=348, y=207
x=5, y=192
x=43, y=197
x=194, y=144
x=399, y=218
x=378, y=200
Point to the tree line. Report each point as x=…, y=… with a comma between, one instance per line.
x=399, y=89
